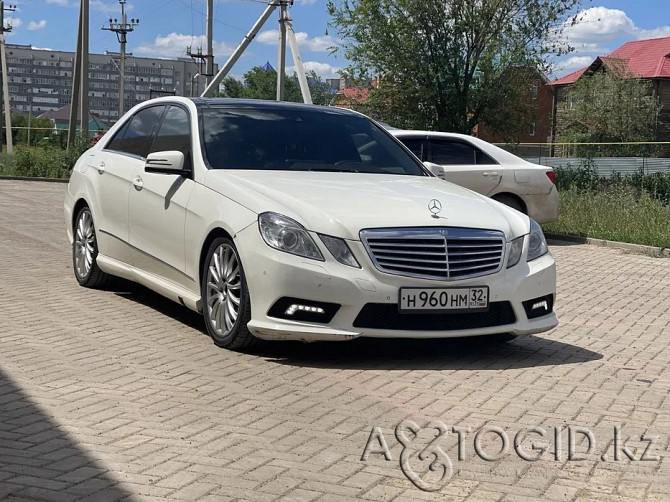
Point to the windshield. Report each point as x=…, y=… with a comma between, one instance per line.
x=300, y=140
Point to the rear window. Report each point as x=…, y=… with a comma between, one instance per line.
x=300, y=140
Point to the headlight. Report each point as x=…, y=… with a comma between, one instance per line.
x=340, y=251
x=537, y=244
x=515, y=249
x=287, y=235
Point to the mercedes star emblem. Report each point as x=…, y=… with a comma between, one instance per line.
x=434, y=206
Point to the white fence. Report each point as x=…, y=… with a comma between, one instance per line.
x=606, y=166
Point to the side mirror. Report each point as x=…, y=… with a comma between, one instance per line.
x=437, y=170
x=170, y=162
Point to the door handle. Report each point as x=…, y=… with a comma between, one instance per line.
x=101, y=168
x=138, y=183
x=489, y=174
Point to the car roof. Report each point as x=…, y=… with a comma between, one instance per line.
x=261, y=104
x=412, y=132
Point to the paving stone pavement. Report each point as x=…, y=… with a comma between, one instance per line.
x=119, y=394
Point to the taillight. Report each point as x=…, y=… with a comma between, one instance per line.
x=552, y=176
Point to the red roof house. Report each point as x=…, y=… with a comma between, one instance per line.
x=646, y=59
x=643, y=58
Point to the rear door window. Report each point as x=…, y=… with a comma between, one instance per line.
x=416, y=145
x=457, y=152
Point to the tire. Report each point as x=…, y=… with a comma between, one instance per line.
x=226, y=306
x=501, y=338
x=510, y=201
x=85, y=252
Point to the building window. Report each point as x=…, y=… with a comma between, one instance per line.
x=534, y=90
x=531, y=132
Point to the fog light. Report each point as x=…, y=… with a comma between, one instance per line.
x=538, y=307
x=303, y=308
x=542, y=304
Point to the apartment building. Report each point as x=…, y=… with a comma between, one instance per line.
x=41, y=80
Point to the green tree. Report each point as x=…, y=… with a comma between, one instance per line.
x=260, y=83
x=444, y=64
x=609, y=106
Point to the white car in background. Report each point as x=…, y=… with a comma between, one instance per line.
x=269, y=220
x=488, y=170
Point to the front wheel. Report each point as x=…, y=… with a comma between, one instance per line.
x=226, y=304
x=85, y=252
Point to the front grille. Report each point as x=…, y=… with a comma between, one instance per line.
x=387, y=316
x=435, y=252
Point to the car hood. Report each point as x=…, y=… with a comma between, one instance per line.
x=342, y=204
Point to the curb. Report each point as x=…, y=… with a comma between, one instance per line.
x=626, y=246
x=33, y=178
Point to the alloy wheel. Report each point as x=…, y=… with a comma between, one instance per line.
x=84, y=244
x=223, y=290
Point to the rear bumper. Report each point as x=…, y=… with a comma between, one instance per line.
x=542, y=208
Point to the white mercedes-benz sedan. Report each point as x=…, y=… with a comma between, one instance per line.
x=487, y=169
x=269, y=219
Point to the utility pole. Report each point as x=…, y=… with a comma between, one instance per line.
x=281, y=55
x=209, y=57
x=84, y=68
x=5, y=78
x=76, y=81
x=122, y=29
x=200, y=61
x=204, y=62
x=79, y=95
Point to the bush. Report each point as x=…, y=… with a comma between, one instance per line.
x=585, y=179
x=47, y=161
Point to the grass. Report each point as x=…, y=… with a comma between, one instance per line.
x=616, y=214
x=7, y=165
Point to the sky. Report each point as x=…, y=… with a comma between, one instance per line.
x=166, y=27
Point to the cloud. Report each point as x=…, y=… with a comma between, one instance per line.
x=662, y=31
x=323, y=70
x=174, y=45
x=39, y=25
x=60, y=3
x=107, y=8
x=316, y=44
x=599, y=25
x=572, y=64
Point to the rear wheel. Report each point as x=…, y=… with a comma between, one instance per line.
x=510, y=201
x=226, y=303
x=85, y=252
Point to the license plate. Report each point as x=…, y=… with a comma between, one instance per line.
x=444, y=299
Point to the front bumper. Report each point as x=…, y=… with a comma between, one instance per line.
x=272, y=275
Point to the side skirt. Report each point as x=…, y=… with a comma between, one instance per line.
x=166, y=288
